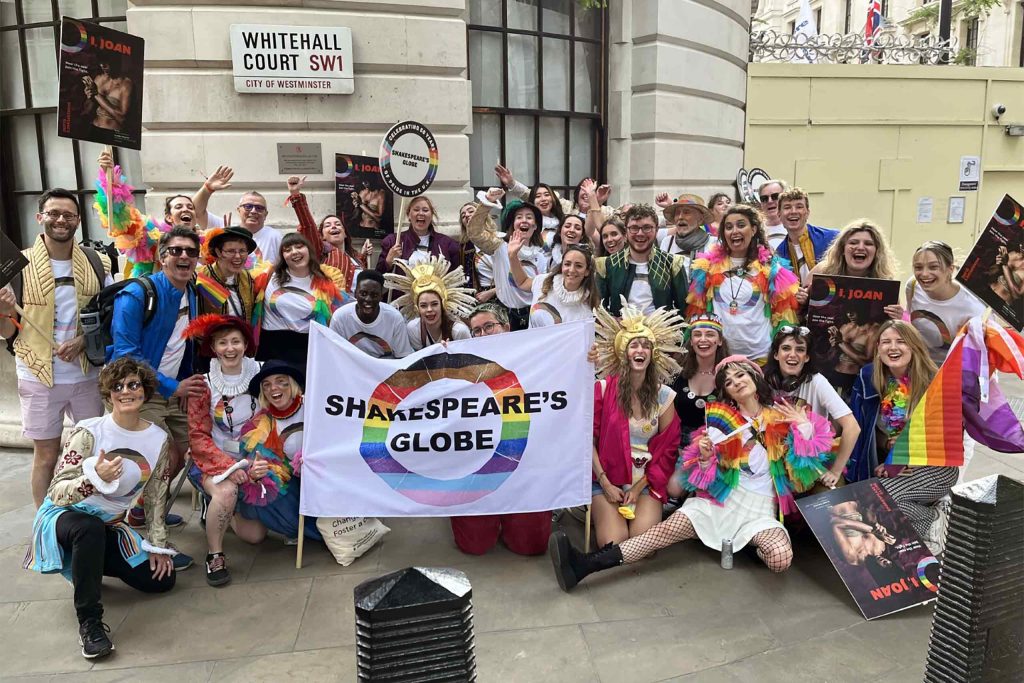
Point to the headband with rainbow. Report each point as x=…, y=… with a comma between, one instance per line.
x=431, y=275
x=703, y=321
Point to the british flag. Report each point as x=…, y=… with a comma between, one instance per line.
x=874, y=22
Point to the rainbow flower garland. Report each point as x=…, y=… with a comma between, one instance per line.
x=711, y=268
x=894, y=405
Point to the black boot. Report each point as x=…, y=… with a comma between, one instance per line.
x=571, y=565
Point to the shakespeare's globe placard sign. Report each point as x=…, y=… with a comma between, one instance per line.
x=292, y=59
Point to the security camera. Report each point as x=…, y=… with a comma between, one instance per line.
x=998, y=110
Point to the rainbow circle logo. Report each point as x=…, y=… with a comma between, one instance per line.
x=68, y=38
x=343, y=166
x=407, y=141
x=1014, y=219
x=829, y=295
x=922, y=573
x=515, y=428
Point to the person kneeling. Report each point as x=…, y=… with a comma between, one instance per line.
x=742, y=480
x=80, y=530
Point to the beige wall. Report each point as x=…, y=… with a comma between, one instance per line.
x=870, y=141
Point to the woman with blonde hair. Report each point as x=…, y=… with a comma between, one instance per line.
x=884, y=396
x=419, y=241
x=860, y=251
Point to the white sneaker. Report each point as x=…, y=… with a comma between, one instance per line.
x=291, y=541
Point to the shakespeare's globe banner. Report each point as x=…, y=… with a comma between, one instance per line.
x=489, y=425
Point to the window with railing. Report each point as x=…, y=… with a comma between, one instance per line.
x=538, y=73
x=34, y=158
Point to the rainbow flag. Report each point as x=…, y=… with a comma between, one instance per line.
x=211, y=289
x=961, y=396
x=725, y=418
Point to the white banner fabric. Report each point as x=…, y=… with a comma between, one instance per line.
x=490, y=425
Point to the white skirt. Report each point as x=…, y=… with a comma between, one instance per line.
x=743, y=515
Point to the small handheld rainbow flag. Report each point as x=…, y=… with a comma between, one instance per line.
x=724, y=418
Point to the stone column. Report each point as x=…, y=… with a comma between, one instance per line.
x=677, y=92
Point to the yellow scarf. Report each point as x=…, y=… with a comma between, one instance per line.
x=39, y=304
x=807, y=247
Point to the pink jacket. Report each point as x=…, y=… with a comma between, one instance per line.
x=611, y=429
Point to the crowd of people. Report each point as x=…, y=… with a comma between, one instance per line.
x=696, y=305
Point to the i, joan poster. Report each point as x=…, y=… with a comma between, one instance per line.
x=994, y=270
x=844, y=314
x=364, y=203
x=873, y=546
x=99, y=95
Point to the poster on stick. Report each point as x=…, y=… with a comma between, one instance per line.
x=482, y=426
x=99, y=95
x=408, y=159
x=844, y=314
x=994, y=270
x=12, y=261
x=363, y=201
x=873, y=546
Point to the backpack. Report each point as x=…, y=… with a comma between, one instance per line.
x=18, y=285
x=97, y=315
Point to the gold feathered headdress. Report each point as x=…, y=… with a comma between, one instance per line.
x=664, y=329
x=431, y=275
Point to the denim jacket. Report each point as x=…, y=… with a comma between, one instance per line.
x=865, y=401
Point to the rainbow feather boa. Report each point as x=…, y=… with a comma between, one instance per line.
x=135, y=235
x=709, y=271
x=794, y=463
x=260, y=439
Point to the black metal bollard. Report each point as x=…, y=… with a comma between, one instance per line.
x=415, y=624
x=978, y=625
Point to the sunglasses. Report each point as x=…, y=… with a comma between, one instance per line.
x=791, y=329
x=191, y=252
x=253, y=208
x=133, y=385
x=769, y=197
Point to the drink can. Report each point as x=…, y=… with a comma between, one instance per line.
x=726, y=553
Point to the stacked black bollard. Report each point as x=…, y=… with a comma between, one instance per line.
x=978, y=625
x=415, y=625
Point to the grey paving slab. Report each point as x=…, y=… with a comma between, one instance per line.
x=533, y=655
x=192, y=672
x=333, y=664
x=330, y=615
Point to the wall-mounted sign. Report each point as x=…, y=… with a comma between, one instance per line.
x=970, y=173
x=299, y=158
x=291, y=59
x=408, y=158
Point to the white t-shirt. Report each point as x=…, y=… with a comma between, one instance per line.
x=268, y=245
x=65, y=327
x=534, y=261
x=139, y=451
x=385, y=337
x=170, y=362
x=550, y=309
x=234, y=300
x=801, y=262
x=745, y=325
x=289, y=307
x=459, y=331
x=484, y=269
x=822, y=398
x=939, y=321
x=640, y=294
x=776, y=235
x=422, y=253
x=755, y=475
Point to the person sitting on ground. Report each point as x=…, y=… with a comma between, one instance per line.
x=884, y=396
x=433, y=299
x=80, y=530
x=374, y=327
x=272, y=443
x=636, y=430
x=742, y=479
x=790, y=372
x=216, y=418
x=524, y=533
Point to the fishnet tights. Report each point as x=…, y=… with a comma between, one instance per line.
x=773, y=546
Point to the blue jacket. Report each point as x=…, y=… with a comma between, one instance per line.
x=865, y=402
x=148, y=342
x=821, y=238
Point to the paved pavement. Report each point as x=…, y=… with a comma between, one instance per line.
x=676, y=617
